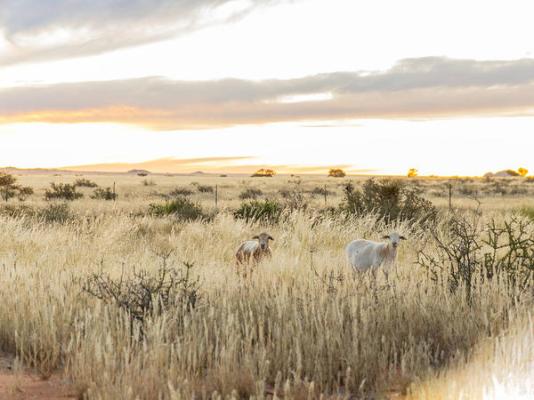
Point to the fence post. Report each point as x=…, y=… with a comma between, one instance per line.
x=114, y=192
x=449, y=185
x=216, y=195
x=325, y=195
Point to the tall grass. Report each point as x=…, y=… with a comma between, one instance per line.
x=302, y=324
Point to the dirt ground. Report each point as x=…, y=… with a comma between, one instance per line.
x=27, y=385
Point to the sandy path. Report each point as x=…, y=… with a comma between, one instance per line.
x=26, y=385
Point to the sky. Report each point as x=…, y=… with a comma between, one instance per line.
x=296, y=85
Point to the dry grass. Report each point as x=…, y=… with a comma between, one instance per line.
x=287, y=330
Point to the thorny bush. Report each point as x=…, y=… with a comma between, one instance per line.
x=471, y=251
x=144, y=294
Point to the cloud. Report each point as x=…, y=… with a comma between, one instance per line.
x=53, y=29
x=414, y=88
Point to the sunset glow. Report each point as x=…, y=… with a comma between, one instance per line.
x=300, y=86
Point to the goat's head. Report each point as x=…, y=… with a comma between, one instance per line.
x=394, y=239
x=263, y=239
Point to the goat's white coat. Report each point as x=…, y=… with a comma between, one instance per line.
x=251, y=250
x=365, y=254
x=249, y=246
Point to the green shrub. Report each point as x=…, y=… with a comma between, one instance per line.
x=390, y=200
x=85, y=183
x=250, y=193
x=268, y=211
x=104, y=194
x=181, y=208
x=62, y=191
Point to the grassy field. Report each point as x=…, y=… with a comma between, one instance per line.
x=303, y=325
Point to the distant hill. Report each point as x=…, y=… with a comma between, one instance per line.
x=506, y=173
x=143, y=172
x=35, y=171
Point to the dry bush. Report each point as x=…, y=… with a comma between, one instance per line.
x=143, y=295
x=468, y=251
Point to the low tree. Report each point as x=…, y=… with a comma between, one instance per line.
x=264, y=172
x=336, y=173
x=522, y=171
x=412, y=173
x=10, y=189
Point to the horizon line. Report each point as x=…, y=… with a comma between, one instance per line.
x=66, y=170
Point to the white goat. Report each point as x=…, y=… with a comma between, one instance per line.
x=254, y=250
x=365, y=254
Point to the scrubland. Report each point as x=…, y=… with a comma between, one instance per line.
x=301, y=325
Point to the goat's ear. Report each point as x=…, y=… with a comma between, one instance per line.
x=270, y=237
x=403, y=238
x=255, y=237
x=385, y=237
